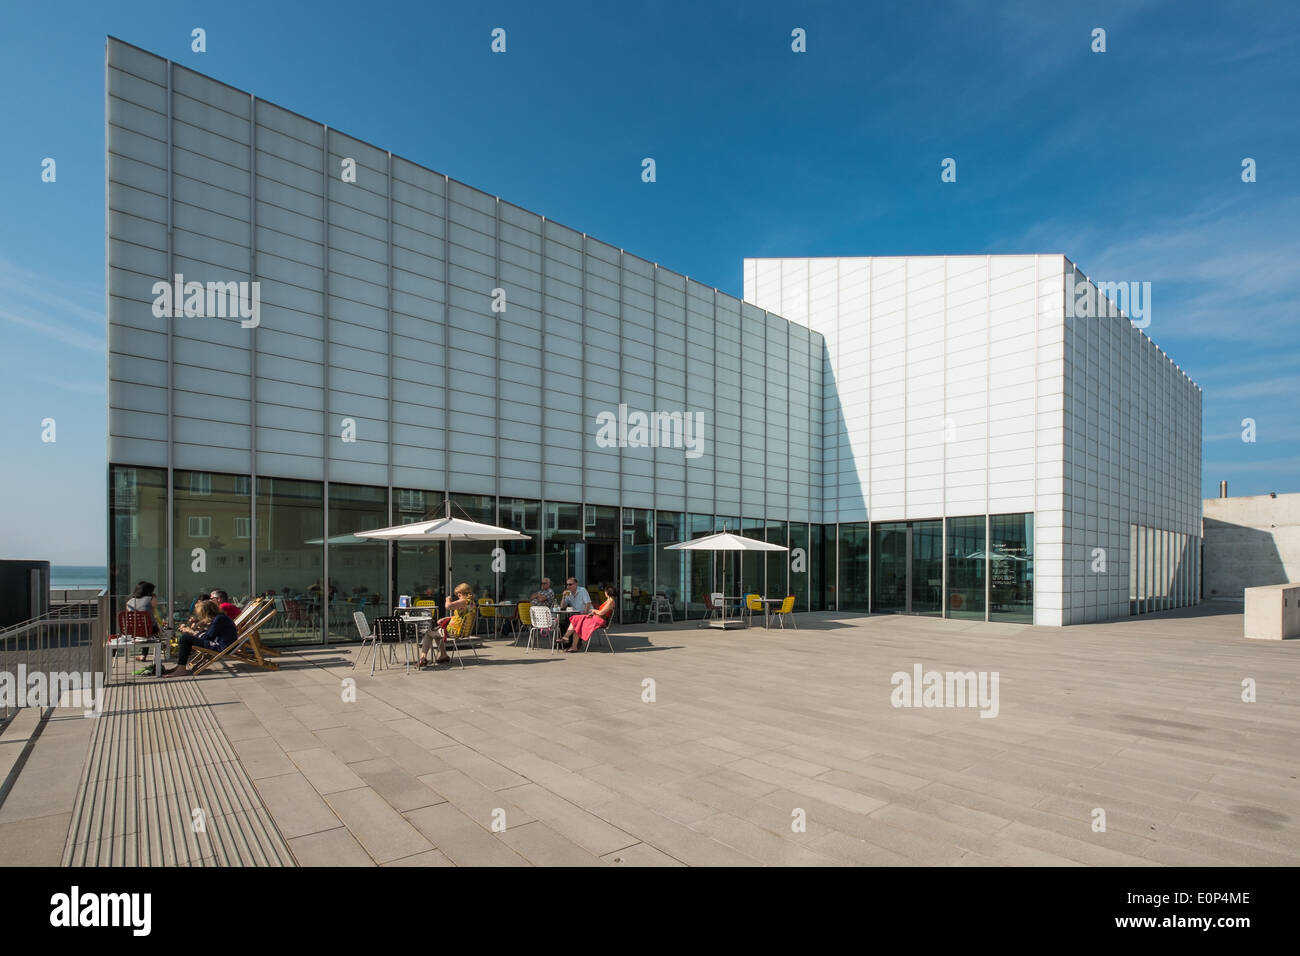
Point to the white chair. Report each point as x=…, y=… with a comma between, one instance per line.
x=541, y=621
x=713, y=606
x=367, y=636
x=659, y=606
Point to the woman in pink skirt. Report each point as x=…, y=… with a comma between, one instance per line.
x=585, y=625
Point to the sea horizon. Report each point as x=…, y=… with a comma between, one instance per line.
x=69, y=576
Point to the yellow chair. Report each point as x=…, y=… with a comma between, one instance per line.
x=487, y=612
x=525, y=620
x=754, y=603
x=784, y=611
x=425, y=602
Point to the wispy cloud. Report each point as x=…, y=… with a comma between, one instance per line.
x=31, y=303
x=60, y=333
x=1222, y=271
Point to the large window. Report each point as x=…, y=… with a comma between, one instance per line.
x=290, y=556
x=523, y=572
x=638, y=563
x=726, y=564
x=752, y=563
x=471, y=561
x=967, y=564
x=778, y=562
x=600, y=521
x=418, y=570
x=138, y=542
x=855, y=566
x=1011, y=568
x=562, y=531
x=825, y=583
x=210, y=554
x=907, y=567
x=799, y=560
x=358, y=566
x=670, y=576
x=700, y=564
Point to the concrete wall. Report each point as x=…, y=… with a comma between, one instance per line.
x=1250, y=541
x=376, y=306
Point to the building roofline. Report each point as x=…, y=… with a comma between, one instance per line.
x=242, y=92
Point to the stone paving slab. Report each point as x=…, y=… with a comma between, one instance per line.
x=1141, y=718
x=759, y=748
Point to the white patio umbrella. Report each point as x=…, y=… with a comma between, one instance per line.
x=447, y=529
x=725, y=541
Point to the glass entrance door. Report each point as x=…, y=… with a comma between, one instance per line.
x=889, y=567
x=599, y=563
x=907, y=567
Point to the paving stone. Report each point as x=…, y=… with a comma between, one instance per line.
x=462, y=840
x=330, y=848
x=382, y=832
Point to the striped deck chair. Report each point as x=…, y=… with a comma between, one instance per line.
x=246, y=647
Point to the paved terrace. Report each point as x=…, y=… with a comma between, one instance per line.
x=1142, y=718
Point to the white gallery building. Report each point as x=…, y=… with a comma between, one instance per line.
x=311, y=337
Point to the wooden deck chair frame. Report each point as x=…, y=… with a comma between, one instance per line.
x=255, y=654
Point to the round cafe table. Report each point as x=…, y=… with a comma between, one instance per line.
x=562, y=615
x=500, y=606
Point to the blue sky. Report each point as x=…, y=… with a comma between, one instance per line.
x=1128, y=162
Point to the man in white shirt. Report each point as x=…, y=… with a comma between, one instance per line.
x=575, y=597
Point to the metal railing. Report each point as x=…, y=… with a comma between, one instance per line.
x=69, y=638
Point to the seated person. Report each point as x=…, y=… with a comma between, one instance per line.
x=544, y=595
x=575, y=597
x=142, y=599
x=223, y=602
x=218, y=633
x=461, y=605
x=585, y=625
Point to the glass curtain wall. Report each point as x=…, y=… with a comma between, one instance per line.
x=601, y=545
x=799, y=562
x=827, y=546
x=471, y=561
x=967, y=565
x=290, y=557
x=137, y=524
x=670, y=566
x=700, y=564
x=418, y=571
x=778, y=562
x=1011, y=568
x=562, y=529
x=752, y=563
x=358, y=566
x=523, y=571
x=855, y=566
x=927, y=567
x=212, y=514
x=638, y=563
x=213, y=537
x=726, y=564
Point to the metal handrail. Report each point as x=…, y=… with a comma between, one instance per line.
x=65, y=639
